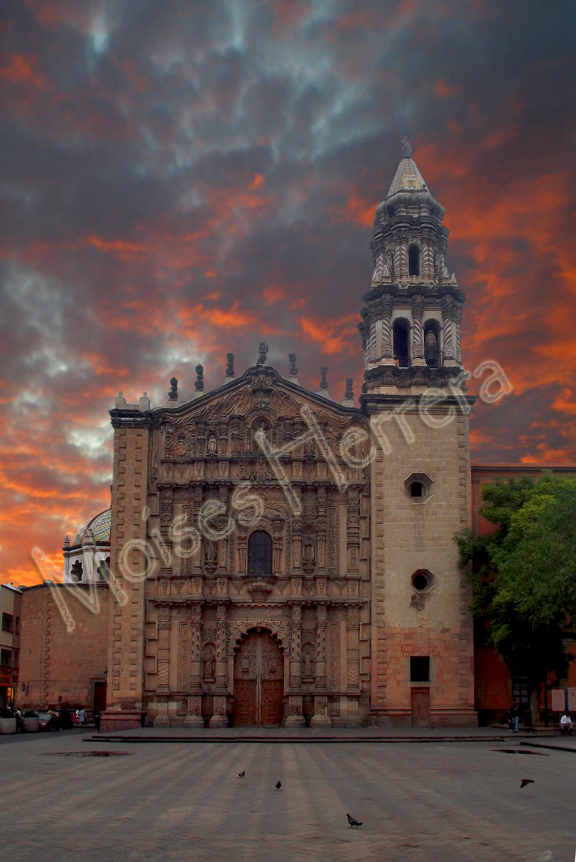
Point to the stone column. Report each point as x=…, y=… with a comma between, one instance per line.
x=449, y=346
x=163, y=666
x=417, y=333
x=387, y=347
x=353, y=531
x=194, y=701
x=295, y=716
x=353, y=650
x=277, y=536
x=427, y=263
x=401, y=262
x=320, y=717
x=297, y=547
x=166, y=520
x=219, y=718
x=457, y=312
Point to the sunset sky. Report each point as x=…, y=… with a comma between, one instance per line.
x=183, y=179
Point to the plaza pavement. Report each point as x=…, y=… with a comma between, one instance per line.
x=440, y=802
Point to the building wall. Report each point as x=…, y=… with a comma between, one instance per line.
x=409, y=536
x=58, y=666
x=10, y=603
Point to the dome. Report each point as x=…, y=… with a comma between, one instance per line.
x=100, y=527
x=407, y=178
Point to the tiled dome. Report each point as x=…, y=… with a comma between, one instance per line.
x=99, y=526
x=407, y=178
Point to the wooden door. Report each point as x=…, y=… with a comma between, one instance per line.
x=420, y=707
x=99, y=697
x=258, y=681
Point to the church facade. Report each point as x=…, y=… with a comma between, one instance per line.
x=278, y=557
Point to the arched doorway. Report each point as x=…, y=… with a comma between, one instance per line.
x=258, y=681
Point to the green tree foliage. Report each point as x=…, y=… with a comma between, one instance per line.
x=524, y=573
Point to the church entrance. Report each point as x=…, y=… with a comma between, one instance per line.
x=259, y=681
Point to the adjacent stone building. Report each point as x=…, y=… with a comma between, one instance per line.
x=64, y=646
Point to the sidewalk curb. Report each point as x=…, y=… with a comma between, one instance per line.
x=282, y=740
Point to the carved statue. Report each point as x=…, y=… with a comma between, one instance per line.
x=212, y=445
x=307, y=665
x=430, y=347
x=199, y=385
x=441, y=267
x=263, y=354
x=229, y=365
x=406, y=148
x=293, y=369
x=209, y=661
x=173, y=394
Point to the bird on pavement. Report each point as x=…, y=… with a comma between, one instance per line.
x=353, y=823
x=525, y=781
x=278, y=785
x=241, y=774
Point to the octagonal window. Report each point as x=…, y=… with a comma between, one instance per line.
x=422, y=580
x=418, y=487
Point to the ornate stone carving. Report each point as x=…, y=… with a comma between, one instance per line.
x=199, y=384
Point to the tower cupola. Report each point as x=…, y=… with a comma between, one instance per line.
x=411, y=321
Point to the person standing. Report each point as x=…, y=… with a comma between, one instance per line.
x=515, y=716
x=81, y=716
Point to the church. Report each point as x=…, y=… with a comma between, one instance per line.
x=281, y=557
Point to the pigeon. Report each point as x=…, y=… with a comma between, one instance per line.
x=278, y=785
x=241, y=774
x=525, y=781
x=353, y=823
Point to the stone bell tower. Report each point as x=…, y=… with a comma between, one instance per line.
x=414, y=394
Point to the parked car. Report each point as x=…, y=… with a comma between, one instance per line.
x=48, y=721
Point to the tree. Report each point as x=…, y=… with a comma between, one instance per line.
x=524, y=574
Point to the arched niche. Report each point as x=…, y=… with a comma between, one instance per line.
x=401, y=338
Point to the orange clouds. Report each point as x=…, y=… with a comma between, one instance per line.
x=333, y=336
x=20, y=69
x=445, y=90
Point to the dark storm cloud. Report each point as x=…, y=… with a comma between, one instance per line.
x=182, y=179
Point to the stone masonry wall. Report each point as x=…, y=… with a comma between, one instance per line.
x=129, y=489
x=55, y=662
x=409, y=536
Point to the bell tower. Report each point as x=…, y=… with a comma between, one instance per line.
x=415, y=396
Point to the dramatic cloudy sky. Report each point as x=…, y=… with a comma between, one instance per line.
x=180, y=179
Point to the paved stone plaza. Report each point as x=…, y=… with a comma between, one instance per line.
x=439, y=802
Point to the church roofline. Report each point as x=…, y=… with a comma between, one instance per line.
x=238, y=382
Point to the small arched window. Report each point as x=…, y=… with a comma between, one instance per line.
x=260, y=554
x=402, y=342
x=413, y=260
x=76, y=570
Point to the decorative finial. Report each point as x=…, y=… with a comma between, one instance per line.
x=262, y=355
x=323, y=381
x=229, y=365
x=349, y=395
x=293, y=369
x=173, y=394
x=67, y=542
x=199, y=385
x=406, y=148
